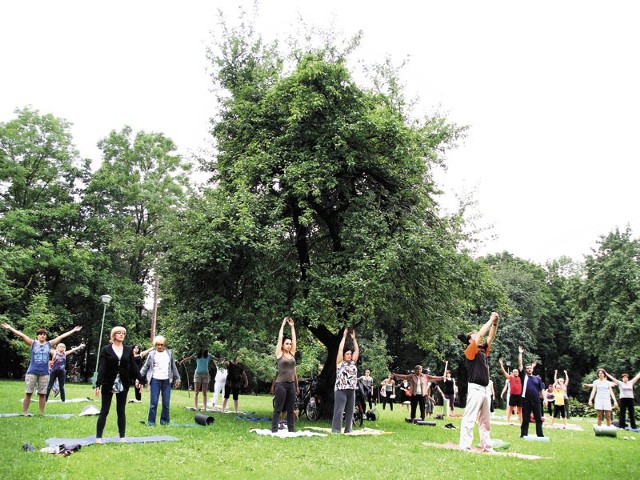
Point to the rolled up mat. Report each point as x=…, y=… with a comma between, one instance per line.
x=604, y=431
x=424, y=422
x=203, y=419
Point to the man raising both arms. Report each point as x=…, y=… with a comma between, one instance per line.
x=479, y=395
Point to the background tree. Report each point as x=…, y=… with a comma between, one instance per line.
x=323, y=208
x=43, y=260
x=606, y=309
x=128, y=203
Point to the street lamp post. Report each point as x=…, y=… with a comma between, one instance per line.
x=105, y=301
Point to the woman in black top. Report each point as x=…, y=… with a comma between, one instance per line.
x=115, y=359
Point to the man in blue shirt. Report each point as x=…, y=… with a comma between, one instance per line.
x=532, y=388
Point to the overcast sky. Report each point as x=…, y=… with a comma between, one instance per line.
x=550, y=91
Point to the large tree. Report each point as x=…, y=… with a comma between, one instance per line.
x=323, y=208
x=43, y=260
x=140, y=185
x=607, y=304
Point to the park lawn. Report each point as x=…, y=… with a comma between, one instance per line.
x=227, y=449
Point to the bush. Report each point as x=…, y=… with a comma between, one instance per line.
x=579, y=409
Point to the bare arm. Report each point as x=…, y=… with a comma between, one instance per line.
x=566, y=379
x=485, y=328
x=356, y=349
x=613, y=397
x=59, y=338
x=611, y=377
x=504, y=390
x=75, y=349
x=520, y=352
x=504, y=372
x=181, y=362
x=294, y=343
x=340, y=356
x=27, y=340
x=146, y=352
x=280, y=338
x=494, y=327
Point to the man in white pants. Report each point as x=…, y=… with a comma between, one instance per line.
x=478, y=394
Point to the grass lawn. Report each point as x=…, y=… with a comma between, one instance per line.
x=226, y=449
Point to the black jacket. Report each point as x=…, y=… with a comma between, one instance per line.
x=108, y=368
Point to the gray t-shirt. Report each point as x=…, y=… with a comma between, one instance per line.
x=286, y=369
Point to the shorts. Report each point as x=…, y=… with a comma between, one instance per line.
x=602, y=404
x=201, y=377
x=35, y=382
x=515, y=401
x=230, y=390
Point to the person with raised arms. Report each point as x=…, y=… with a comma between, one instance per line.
x=626, y=398
x=479, y=394
x=344, y=395
x=37, y=376
x=285, y=387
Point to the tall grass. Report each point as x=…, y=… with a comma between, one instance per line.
x=227, y=449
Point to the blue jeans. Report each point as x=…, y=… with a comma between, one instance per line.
x=159, y=387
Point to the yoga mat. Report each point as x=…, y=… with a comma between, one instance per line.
x=286, y=434
x=54, y=415
x=92, y=439
x=604, y=431
x=454, y=446
x=71, y=400
x=534, y=438
x=202, y=419
x=497, y=444
x=356, y=433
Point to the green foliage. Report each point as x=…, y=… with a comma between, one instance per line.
x=581, y=409
x=606, y=305
x=323, y=208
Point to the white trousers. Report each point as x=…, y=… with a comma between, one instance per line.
x=218, y=388
x=478, y=408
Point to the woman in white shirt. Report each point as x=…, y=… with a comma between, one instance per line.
x=161, y=372
x=626, y=398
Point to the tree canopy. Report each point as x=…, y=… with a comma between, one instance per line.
x=323, y=207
